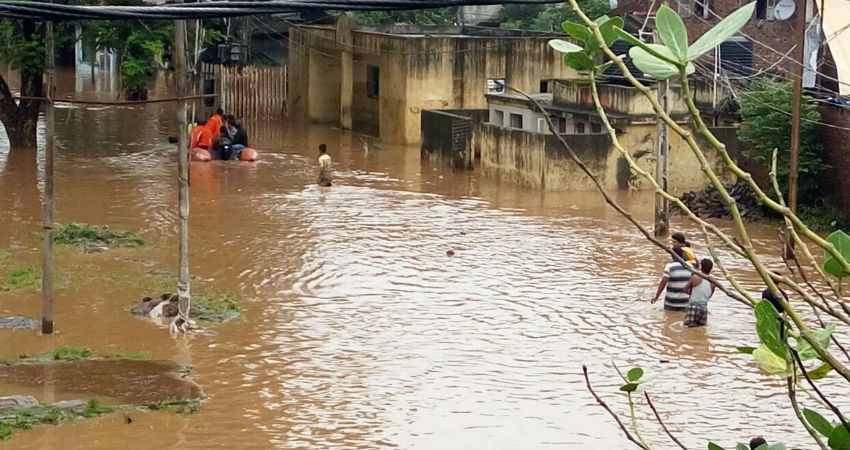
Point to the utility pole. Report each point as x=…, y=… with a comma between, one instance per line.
x=47, y=256
x=799, y=56
x=184, y=302
x=662, y=163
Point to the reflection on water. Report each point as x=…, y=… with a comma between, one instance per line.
x=359, y=331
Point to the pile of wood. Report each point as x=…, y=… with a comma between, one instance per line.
x=707, y=203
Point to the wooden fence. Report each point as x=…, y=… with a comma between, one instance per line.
x=252, y=91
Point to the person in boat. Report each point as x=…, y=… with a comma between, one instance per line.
x=678, y=239
x=201, y=136
x=239, y=136
x=223, y=146
x=324, y=177
x=214, y=124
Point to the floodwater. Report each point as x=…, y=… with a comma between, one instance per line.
x=358, y=330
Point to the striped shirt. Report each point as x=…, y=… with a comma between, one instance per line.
x=678, y=276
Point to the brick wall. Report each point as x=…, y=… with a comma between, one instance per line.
x=774, y=33
x=837, y=153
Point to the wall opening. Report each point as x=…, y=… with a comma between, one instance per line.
x=372, y=77
x=498, y=118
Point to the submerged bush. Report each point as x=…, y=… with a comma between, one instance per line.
x=21, y=277
x=209, y=309
x=83, y=234
x=66, y=353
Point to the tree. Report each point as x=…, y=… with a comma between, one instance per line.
x=547, y=17
x=435, y=16
x=766, y=114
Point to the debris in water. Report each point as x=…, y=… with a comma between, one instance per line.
x=205, y=308
x=450, y=253
x=18, y=323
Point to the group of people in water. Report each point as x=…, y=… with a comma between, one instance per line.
x=221, y=135
x=689, y=292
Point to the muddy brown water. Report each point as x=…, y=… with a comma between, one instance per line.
x=358, y=330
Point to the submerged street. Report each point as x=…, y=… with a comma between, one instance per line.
x=357, y=329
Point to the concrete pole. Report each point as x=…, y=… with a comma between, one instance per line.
x=183, y=287
x=346, y=87
x=662, y=163
x=47, y=257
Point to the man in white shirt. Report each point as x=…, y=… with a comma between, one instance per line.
x=324, y=178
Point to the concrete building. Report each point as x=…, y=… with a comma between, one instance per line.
x=378, y=80
x=514, y=143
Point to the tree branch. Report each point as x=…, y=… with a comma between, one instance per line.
x=661, y=422
x=612, y=413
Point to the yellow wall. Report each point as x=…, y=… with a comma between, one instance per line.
x=536, y=160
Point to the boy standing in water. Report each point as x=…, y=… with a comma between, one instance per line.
x=676, y=276
x=700, y=291
x=324, y=178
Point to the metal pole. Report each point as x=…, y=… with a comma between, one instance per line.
x=47, y=257
x=799, y=56
x=662, y=164
x=183, y=291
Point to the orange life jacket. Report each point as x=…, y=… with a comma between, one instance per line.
x=201, y=138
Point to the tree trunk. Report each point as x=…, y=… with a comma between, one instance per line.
x=22, y=132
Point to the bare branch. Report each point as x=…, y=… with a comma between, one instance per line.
x=612, y=413
x=661, y=422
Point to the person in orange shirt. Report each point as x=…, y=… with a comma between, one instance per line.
x=201, y=137
x=214, y=124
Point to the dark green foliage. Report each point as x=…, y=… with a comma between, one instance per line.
x=21, y=277
x=210, y=309
x=81, y=234
x=766, y=115
x=66, y=353
x=436, y=16
x=548, y=17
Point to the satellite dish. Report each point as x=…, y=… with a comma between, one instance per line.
x=784, y=9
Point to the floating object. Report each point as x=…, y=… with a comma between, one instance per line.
x=450, y=253
x=248, y=155
x=201, y=155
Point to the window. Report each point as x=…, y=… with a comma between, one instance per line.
x=562, y=125
x=498, y=118
x=544, y=86
x=702, y=8
x=516, y=121
x=579, y=128
x=495, y=85
x=542, y=126
x=372, y=77
x=596, y=128
x=764, y=9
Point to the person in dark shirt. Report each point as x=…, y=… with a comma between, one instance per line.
x=240, y=137
x=224, y=146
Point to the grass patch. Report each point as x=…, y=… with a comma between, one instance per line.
x=66, y=353
x=83, y=234
x=138, y=356
x=29, y=417
x=4, y=255
x=176, y=405
x=21, y=277
x=210, y=309
x=95, y=408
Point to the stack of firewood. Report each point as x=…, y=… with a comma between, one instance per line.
x=707, y=203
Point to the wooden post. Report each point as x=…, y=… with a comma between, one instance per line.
x=183, y=288
x=47, y=259
x=799, y=56
x=662, y=164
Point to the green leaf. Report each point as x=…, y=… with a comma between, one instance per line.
x=772, y=363
x=841, y=241
x=821, y=336
x=746, y=350
x=608, y=29
x=578, y=31
x=818, y=422
x=776, y=446
x=563, y=46
x=767, y=328
x=629, y=387
x=649, y=48
x=839, y=439
x=741, y=446
x=713, y=446
x=634, y=375
x=579, y=61
x=651, y=65
x=672, y=32
x=725, y=29
x=820, y=373
x=600, y=69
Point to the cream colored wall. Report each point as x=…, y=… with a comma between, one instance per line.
x=537, y=161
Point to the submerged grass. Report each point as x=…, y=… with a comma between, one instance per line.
x=210, y=309
x=28, y=417
x=66, y=353
x=4, y=255
x=21, y=277
x=138, y=356
x=82, y=234
x=176, y=405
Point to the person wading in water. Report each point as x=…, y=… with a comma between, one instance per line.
x=676, y=276
x=324, y=178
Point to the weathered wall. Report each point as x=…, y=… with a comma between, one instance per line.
x=536, y=160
